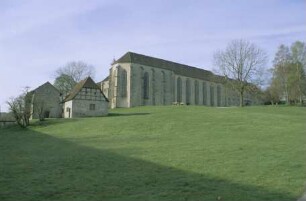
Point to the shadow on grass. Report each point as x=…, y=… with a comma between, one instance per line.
x=51, y=121
x=35, y=166
x=127, y=114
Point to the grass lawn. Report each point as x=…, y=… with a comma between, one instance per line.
x=159, y=153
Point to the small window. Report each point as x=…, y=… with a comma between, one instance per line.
x=67, y=109
x=92, y=107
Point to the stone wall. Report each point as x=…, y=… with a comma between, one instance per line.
x=48, y=98
x=67, y=109
x=105, y=88
x=81, y=108
x=147, y=85
x=7, y=123
x=158, y=86
x=87, y=102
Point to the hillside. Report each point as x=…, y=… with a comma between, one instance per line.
x=158, y=153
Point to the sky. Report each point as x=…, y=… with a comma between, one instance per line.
x=39, y=36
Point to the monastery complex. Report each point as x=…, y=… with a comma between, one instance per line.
x=137, y=80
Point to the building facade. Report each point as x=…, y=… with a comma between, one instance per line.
x=137, y=80
x=85, y=99
x=45, y=101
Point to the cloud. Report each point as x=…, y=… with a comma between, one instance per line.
x=23, y=16
x=37, y=36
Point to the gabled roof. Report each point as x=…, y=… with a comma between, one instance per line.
x=105, y=79
x=45, y=85
x=177, y=68
x=86, y=83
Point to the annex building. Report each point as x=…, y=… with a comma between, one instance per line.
x=137, y=80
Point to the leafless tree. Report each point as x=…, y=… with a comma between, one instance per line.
x=70, y=74
x=242, y=64
x=19, y=107
x=40, y=109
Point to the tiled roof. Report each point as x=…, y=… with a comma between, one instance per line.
x=86, y=83
x=43, y=85
x=177, y=68
x=105, y=79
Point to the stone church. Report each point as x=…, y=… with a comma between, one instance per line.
x=137, y=80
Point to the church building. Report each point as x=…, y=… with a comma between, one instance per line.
x=137, y=80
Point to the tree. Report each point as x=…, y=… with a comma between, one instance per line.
x=73, y=72
x=281, y=64
x=272, y=93
x=289, y=72
x=64, y=83
x=20, y=108
x=242, y=65
x=298, y=51
x=39, y=108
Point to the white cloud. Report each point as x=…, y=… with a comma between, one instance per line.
x=37, y=36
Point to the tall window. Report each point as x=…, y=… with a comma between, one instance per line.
x=212, y=95
x=164, y=87
x=153, y=87
x=123, y=85
x=196, y=92
x=204, y=91
x=187, y=92
x=219, y=95
x=146, y=85
x=179, y=90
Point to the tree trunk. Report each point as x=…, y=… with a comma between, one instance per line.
x=241, y=98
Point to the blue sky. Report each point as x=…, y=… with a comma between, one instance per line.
x=38, y=36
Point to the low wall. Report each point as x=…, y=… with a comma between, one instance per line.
x=6, y=123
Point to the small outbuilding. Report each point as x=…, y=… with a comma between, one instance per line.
x=84, y=100
x=45, y=102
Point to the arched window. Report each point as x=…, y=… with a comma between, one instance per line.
x=179, y=90
x=187, y=92
x=163, y=88
x=204, y=91
x=218, y=95
x=146, y=85
x=153, y=87
x=196, y=92
x=123, y=84
x=212, y=95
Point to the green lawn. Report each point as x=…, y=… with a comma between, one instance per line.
x=159, y=153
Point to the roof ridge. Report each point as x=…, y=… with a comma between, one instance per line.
x=88, y=82
x=33, y=91
x=178, y=68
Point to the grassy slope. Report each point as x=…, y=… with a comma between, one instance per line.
x=159, y=153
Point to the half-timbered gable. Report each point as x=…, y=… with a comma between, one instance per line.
x=85, y=99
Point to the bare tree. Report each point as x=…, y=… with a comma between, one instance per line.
x=20, y=109
x=40, y=109
x=70, y=74
x=242, y=64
